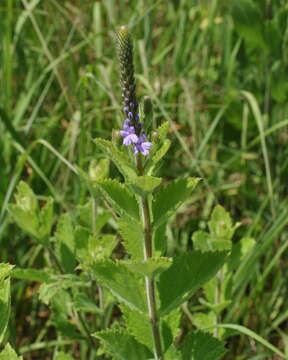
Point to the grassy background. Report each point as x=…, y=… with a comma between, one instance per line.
x=215, y=69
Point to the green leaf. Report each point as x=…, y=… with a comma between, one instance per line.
x=188, y=273
x=118, y=157
x=200, y=346
x=151, y=267
x=24, y=212
x=139, y=326
x=9, y=354
x=31, y=275
x=4, y=306
x=160, y=239
x=120, y=197
x=99, y=170
x=204, y=320
x=249, y=22
x=123, y=346
x=28, y=216
x=161, y=152
x=92, y=247
x=65, y=243
x=58, y=283
x=84, y=304
x=145, y=184
x=122, y=283
x=221, y=232
x=46, y=219
x=62, y=356
x=162, y=130
x=5, y=270
x=133, y=237
x=170, y=327
x=170, y=197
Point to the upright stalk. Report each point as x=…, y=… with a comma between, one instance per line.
x=150, y=283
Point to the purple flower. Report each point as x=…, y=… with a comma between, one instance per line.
x=142, y=145
x=128, y=133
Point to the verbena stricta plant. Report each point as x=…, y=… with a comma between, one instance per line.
x=86, y=277
x=149, y=285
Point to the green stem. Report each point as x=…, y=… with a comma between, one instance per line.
x=150, y=284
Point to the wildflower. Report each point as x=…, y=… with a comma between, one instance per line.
x=142, y=145
x=128, y=133
x=132, y=128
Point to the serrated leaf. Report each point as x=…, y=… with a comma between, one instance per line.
x=138, y=325
x=120, y=197
x=5, y=270
x=31, y=275
x=200, y=346
x=159, y=154
x=90, y=248
x=122, y=283
x=133, y=237
x=9, y=354
x=65, y=243
x=58, y=283
x=4, y=306
x=145, y=184
x=162, y=130
x=151, y=267
x=123, y=346
x=171, y=197
x=188, y=273
x=120, y=160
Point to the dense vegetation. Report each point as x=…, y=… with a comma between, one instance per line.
x=216, y=72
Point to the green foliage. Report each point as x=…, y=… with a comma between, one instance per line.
x=145, y=184
x=58, y=283
x=28, y=215
x=199, y=346
x=123, y=346
x=5, y=270
x=122, y=283
x=9, y=354
x=120, y=198
x=119, y=158
x=150, y=268
x=4, y=306
x=65, y=243
x=50, y=109
x=188, y=273
x=31, y=275
x=171, y=197
x=133, y=237
x=62, y=356
x=139, y=326
x=220, y=233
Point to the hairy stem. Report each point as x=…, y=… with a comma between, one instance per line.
x=150, y=284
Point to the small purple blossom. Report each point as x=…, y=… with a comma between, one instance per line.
x=142, y=145
x=130, y=137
